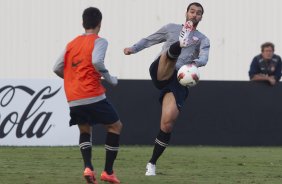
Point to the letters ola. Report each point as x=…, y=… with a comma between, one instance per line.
x=31, y=117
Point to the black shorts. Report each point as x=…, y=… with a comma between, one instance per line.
x=101, y=112
x=171, y=85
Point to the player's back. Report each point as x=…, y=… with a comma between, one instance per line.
x=81, y=80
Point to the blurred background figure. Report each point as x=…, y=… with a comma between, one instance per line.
x=266, y=66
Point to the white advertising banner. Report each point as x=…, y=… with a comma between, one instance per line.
x=35, y=112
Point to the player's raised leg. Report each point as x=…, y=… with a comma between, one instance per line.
x=169, y=115
x=111, y=147
x=168, y=59
x=85, y=145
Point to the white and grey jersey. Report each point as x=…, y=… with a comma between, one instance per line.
x=197, y=50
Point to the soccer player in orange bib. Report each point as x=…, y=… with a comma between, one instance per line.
x=81, y=66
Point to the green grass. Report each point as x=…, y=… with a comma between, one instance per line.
x=180, y=165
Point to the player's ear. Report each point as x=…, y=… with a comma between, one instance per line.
x=99, y=25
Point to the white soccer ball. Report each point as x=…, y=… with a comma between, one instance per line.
x=188, y=75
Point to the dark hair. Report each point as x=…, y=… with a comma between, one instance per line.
x=196, y=4
x=267, y=44
x=91, y=17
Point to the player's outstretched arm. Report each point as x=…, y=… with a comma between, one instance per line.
x=155, y=38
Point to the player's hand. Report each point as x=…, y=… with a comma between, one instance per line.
x=263, y=76
x=114, y=80
x=194, y=63
x=272, y=80
x=127, y=51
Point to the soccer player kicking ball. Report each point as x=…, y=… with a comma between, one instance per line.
x=183, y=45
x=81, y=66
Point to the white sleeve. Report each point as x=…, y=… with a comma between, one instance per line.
x=98, y=57
x=58, y=68
x=155, y=38
x=204, y=53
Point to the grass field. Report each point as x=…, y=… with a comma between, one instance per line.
x=180, y=165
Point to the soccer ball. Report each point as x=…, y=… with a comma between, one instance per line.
x=188, y=75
